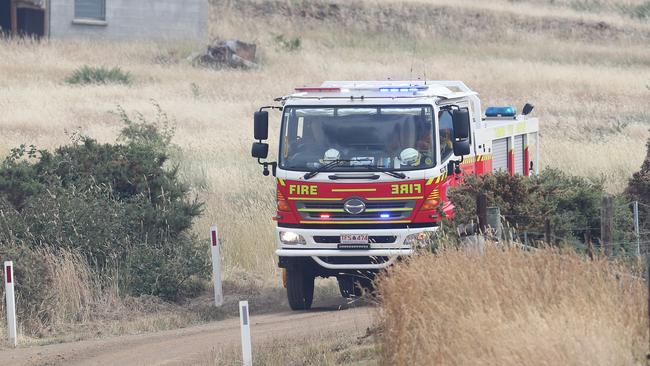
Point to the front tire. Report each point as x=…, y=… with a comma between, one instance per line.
x=300, y=288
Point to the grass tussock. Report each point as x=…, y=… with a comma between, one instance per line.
x=510, y=307
x=99, y=75
x=69, y=291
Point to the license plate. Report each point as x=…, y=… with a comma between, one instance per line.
x=354, y=239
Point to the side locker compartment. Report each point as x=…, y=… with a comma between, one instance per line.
x=520, y=159
x=500, y=154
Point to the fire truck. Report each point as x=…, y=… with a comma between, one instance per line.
x=363, y=169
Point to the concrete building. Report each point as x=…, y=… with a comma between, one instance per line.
x=105, y=19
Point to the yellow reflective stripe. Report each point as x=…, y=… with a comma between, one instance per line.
x=313, y=199
x=281, y=181
x=321, y=210
x=520, y=127
x=389, y=209
x=357, y=222
x=393, y=198
x=430, y=181
x=354, y=189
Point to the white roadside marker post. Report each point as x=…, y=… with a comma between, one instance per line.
x=11, y=302
x=244, y=321
x=216, y=266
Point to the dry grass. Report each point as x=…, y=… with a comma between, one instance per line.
x=586, y=70
x=80, y=303
x=510, y=307
x=70, y=292
x=588, y=81
x=326, y=349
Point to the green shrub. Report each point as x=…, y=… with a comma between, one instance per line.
x=640, y=11
x=99, y=75
x=288, y=44
x=638, y=189
x=121, y=206
x=572, y=204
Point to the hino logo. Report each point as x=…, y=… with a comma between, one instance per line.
x=354, y=206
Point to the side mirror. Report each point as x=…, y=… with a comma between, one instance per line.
x=260, y=150
x=460, y=118
x=461, y=148
x=527, y=109
x=261, y=125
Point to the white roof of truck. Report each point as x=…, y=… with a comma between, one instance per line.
x=384, y=89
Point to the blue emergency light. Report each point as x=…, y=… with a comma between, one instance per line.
x=402, y=89
x=500, y=112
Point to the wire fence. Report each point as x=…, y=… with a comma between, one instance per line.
x=629, y=239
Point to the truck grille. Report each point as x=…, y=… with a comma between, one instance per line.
x=335, y=239
x=396, y=210
x=354, y=260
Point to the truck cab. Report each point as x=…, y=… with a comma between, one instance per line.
x=363, y=171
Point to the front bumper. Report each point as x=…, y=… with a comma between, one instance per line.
x=318, y=251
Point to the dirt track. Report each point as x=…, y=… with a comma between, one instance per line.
x=190, y=345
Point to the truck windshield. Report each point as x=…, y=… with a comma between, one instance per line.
x=385, y=137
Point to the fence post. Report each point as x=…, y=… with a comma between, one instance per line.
x=481, y=211
x=494, y=221
x=590, y=248
x=636, y=228
x=526, y=239
x=11, y=302
x=647, y=280
x=216, y=266
x=548, y=231
x=244, y=322
x=606, y=224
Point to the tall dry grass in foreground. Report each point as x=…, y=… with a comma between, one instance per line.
x=67, y=289
x=510, y=307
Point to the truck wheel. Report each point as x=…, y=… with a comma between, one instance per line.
x=300, y=288
x=349, y=287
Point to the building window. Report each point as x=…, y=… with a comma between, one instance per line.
x=90, y=9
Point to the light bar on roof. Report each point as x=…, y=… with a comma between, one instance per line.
x=402, y=89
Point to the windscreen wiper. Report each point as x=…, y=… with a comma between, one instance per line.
x=323, y=168
x=330, y=165
x=389, y=172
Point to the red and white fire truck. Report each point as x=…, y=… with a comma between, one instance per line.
x=364, y=167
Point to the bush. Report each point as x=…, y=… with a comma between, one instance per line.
x=99, y=75
x=640, y=11
x=638, y=189
x=288, y=44
x=120, y=206
x=571, y=203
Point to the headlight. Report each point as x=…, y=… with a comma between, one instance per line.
x=291, y=238
x=419, y=239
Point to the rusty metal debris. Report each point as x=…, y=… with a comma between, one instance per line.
x=230, y=53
